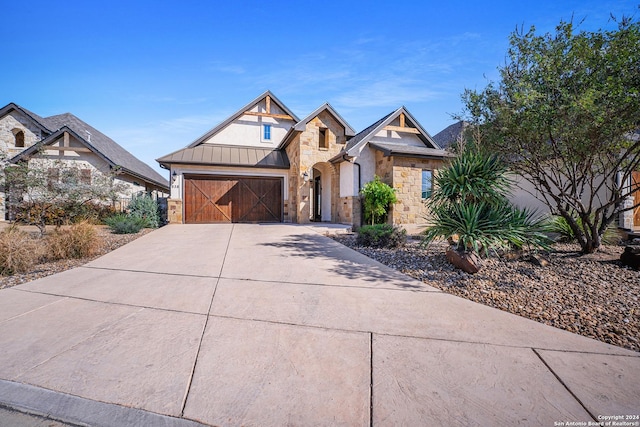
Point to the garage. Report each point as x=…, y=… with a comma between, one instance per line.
x=210, y=199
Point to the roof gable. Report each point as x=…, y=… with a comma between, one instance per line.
x=405, y=118
x=270, y=98
x=97, y=142
x=302, y=124
x=39, y=121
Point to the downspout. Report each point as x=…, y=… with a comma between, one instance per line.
x=344, y=157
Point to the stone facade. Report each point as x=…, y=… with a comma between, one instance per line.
x=350, y=211
x=12, y=123
x=307, y=153
x=174, y=211
x=405, y=176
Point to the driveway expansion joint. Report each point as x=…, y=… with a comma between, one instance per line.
x=564, y=384
x=158, y=273
x=123, y=304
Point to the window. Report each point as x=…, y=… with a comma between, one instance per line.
x=19, y=136
x=323, y=142
x=85, y=176
x=266, y=132
x=427, y=186
x=53, y=176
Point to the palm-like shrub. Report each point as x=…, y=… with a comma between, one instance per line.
x=469, y=206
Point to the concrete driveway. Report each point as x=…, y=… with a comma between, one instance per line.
x=272, y=325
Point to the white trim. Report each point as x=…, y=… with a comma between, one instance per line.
x=262, y=132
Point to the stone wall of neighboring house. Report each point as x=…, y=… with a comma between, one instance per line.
x=314, y=153
x=9, y=125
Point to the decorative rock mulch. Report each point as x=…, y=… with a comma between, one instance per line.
x=110, y=242
x=592, y=295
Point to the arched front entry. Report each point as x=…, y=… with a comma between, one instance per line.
x=322, y=192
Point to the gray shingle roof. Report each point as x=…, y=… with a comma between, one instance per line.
x=228, y=155
x=364, y=133
x=105, y=146
x=450, y=134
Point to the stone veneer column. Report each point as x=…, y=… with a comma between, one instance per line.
x=174, y=211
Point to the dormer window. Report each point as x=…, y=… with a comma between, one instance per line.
x=19, y=139
x=323, y=140
x=266, y=132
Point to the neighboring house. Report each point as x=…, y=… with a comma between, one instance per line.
x=25, y=136
x=451, y=135
x=524, y=193
x=264, y=164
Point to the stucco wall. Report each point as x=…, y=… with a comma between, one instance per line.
x=247, y=129
x=392, y=137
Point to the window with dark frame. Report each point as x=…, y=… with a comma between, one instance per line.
x=19, y=139
x=323, y=141
x=266, y=132
x=427, y=183
x=53, y=176
x=85, y=176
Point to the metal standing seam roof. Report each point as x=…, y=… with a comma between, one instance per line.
x=228, y=155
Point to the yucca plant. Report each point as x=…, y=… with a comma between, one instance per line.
x=560, y=226
x=469, y=206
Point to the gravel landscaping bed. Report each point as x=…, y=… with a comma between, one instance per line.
x=109, y=242
x=591, y=295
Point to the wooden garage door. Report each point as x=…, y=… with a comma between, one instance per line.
x=232, y=199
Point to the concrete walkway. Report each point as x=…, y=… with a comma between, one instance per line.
x=271, y=325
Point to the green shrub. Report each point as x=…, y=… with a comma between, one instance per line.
x=125, y=224
x=378, y=196
x=560, y=226
x=80, y=240
x=146, y=208
x=19, y=251
x=381, y=236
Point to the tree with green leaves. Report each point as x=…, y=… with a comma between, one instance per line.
x=378, y=197
x=565, y=115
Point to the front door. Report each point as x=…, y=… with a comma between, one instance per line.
x=317, y=199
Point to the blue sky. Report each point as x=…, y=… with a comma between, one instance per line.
x=155, y=75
